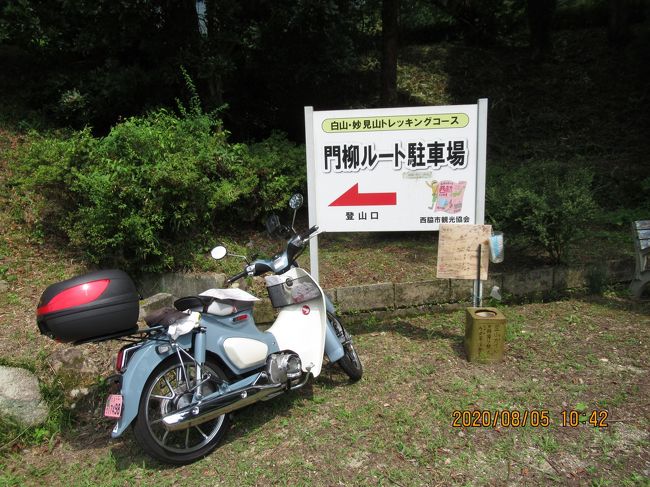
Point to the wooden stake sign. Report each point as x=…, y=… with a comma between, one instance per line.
x=458, y=251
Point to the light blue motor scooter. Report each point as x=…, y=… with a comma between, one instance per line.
x=194, y=365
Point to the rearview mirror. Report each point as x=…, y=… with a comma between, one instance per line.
x=218, y=252
x=296, y=201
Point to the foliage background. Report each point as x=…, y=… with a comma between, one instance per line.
x=148, y=130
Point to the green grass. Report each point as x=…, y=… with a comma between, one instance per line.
x=395, y=425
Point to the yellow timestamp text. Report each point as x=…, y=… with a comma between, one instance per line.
x=535, y=418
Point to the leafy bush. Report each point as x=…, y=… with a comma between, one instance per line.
x=156, y=188
x=546, y=204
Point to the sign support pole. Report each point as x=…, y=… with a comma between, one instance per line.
x=311, y=189
x=477, y=284
x=481, y=157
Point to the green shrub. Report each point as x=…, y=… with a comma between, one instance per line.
x=281, y=170
x=545, y=204
x=597, y=279
x=147, y=195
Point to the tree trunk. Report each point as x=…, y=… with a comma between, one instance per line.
x=390, y=36
x=182, y=24
x=211, y=70
x=618, y=29
x=540, y=18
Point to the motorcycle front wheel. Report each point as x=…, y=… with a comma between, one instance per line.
x=170, y=387
x=350, y=362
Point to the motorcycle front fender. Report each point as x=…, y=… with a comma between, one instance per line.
x=139, y=368
x=333, y=347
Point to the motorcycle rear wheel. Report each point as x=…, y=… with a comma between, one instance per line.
x=169, y=388
x=350, y=362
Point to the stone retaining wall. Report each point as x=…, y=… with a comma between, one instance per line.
x=418, y=296
x=180, y=283
x=526, y=283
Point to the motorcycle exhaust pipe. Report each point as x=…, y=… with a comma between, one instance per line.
x=210, y=409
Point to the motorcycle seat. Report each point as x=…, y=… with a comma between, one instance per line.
x=165, y=316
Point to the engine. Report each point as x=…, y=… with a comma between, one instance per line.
x=283, y=367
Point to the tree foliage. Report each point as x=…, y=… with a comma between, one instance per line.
x=116, y=58
x=546, y=205
x=92, y=62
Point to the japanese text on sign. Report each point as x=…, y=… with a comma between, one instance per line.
x=416, y=155
x=410, y=122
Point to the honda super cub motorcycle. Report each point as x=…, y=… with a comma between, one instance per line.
x=181, y=377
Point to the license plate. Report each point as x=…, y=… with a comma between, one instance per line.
x=113, y=407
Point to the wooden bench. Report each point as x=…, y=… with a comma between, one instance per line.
x=641, y=231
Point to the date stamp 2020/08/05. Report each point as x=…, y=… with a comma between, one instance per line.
x=536, y=418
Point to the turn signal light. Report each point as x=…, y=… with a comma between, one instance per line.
x=119, y=361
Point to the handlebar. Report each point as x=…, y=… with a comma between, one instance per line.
x=309, y=232
x=236, y=277
x=295, y=246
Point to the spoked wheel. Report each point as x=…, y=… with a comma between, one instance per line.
x=169, y=388
x=350, y=362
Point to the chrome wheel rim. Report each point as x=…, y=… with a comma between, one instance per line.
x=171, y=390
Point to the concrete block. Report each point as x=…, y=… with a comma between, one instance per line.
x=620, y=270
x=155, y=302
x=421, y=292
x=180, y=283
x=263, y=312
x=570, y=278
x=461, y=290
x=529, y=281
x=331, y=293
x=361, y=298
x=149, y=284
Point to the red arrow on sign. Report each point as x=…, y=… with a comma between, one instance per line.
x=352, y=197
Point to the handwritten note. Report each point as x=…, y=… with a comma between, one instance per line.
x=458, y=251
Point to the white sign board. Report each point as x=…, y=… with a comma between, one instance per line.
x=398, y=169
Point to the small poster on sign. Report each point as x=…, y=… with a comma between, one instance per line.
x=458, y=251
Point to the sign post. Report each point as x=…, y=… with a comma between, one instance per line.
x=395, y=169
